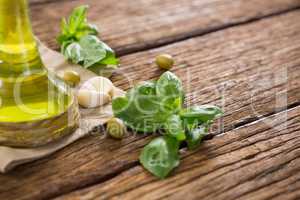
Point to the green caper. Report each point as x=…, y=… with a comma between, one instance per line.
x=165, y=61
x=116, y=128
x=71, y=77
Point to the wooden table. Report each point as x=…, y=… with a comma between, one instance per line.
x=242, y=54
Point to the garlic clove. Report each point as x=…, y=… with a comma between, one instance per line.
x=99, y=84
x=92, y=99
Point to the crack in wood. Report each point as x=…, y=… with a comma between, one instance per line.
x=271, y=183
x=197, y=177
x=44, y=2
x=197, y=33
x=183, y=37
x=253, y=119
x=274, y=169
x=152, y=44
x=183, y=146
x=210, y=137
x=95, y=181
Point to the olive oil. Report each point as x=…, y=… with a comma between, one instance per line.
x=28, y=92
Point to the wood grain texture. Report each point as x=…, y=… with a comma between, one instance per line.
x=130, y=26
x=260, y=161
x=251, y=66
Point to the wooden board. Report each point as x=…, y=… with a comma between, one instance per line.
x=130, y=26
x=249, y=65
x=256, y=161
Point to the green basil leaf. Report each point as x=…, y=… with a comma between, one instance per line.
x=74, y=53
x=76, y=26
x=64, y=36
x=145, y=108
x=77, y=18
x=195, y=136
x=204, y=113
x=97, y=52
x=93, y=50
x=65, y=45
x=64, y=27
x=169, y=88
x=146, y=88
x=110, y=59
x=147, y=111
x=174, y=127
x=161, y=156
x=119, y=105
x=94, y=54
x=86, y=29
x=169, y=85
x=142, y=111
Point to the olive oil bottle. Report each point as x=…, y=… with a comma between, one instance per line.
x=36, y=107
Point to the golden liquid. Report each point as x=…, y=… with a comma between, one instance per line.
x=27, y=91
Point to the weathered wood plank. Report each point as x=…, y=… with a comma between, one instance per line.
x=134, y=25
x=258, y=161
x=250, y=65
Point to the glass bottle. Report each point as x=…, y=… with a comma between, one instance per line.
x=36, y=107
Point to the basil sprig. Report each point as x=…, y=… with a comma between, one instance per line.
x=158, y=105
x=80, y=44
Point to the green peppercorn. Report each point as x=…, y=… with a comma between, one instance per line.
x=165, y=61
x=71, y=77
x=116, y=128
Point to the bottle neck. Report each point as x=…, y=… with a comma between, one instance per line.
x=18, y=48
